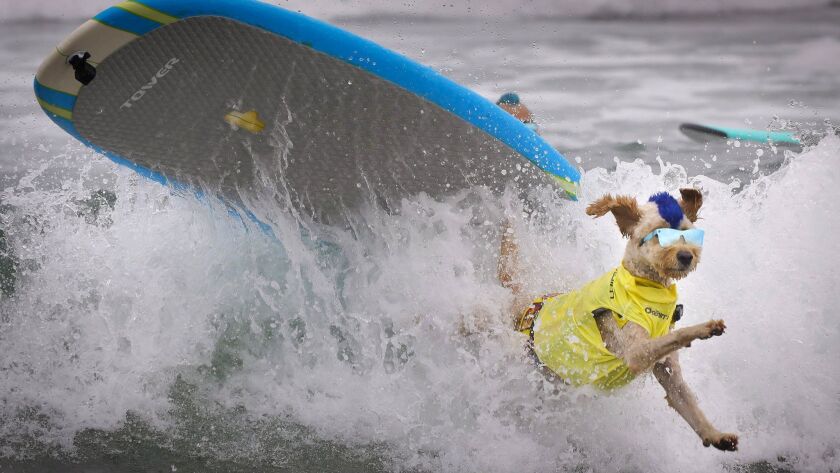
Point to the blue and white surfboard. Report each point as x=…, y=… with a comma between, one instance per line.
x=234, y=95
x=706, y=133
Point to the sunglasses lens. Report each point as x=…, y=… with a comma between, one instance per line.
x=667, y=236
x=694, y=236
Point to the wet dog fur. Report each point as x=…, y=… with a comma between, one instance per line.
x=650, y=261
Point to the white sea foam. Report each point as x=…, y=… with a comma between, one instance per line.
x=354, y=334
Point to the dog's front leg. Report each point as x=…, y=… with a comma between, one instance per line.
x=680, y=397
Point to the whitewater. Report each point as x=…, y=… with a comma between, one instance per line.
x=148, y=329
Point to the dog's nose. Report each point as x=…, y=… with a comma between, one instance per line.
x=685, y=257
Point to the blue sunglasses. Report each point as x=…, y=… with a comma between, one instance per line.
x=669, y=236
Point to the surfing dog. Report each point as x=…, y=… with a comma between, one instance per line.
x=622, y=324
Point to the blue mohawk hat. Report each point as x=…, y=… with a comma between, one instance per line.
x=510, y=98
x=669, y=208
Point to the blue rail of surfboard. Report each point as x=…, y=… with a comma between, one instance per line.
x=55, y=97
x=367, y=55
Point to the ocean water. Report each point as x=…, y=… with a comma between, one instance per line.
x=142, y=330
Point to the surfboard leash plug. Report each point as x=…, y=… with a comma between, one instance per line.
x=84, y=71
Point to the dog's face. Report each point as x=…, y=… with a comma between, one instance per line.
x=636, y=221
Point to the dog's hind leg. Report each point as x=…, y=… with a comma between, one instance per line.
x=509, y=270
x=509, y=259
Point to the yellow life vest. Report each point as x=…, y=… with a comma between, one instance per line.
x=566, y=337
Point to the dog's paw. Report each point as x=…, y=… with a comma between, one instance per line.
x=712, y=328
x=721, y=441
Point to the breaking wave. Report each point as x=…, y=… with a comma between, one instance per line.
x=146, y=318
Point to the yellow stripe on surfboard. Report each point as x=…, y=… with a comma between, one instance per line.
x=113, y=27
x=148, y=13
x=571, y=188
x=61, y=112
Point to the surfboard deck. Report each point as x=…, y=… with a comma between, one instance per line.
x=705, y=134
x=242, y=98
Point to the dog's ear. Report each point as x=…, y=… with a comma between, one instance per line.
x=625, y=209
x=690, y=202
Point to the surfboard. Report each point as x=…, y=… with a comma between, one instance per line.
x=705, y=134
x=242, y=97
